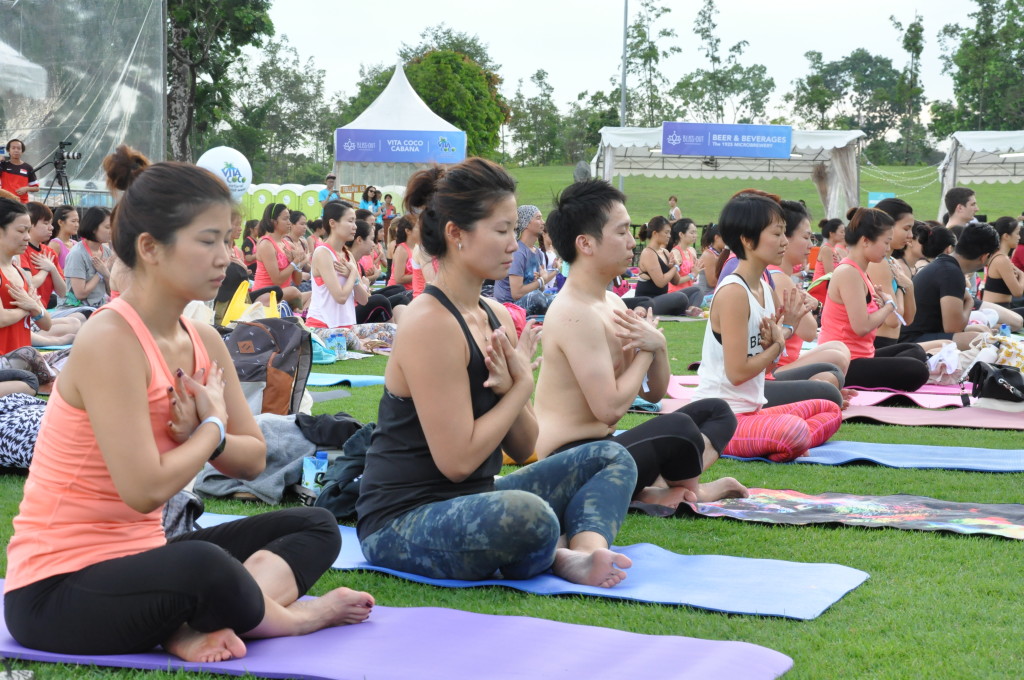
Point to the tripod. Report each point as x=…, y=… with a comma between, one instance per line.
x=60, y=178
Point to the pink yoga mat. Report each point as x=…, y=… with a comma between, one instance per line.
x=984, y=418
x=681, y=387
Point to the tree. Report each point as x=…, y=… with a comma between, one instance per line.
x=646, y=46
x=441, y=37
x=857, y=91
x=534, y=124
x=726, y=87
x=581, y=126
x=203, y=39
x=908, y=96
x=985, y=57
x=282, y=135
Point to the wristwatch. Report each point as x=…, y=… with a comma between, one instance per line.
x=223, y=434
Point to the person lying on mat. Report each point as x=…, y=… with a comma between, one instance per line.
x=944, y=303
x=745, y=337
x=855, y=308
x=429, y=502
x=598, y=356
x=89, y=570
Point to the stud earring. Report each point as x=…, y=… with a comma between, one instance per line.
x=460, y=245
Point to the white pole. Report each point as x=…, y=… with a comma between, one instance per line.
x=622, y=103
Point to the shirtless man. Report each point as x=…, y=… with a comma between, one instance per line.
x=598, y=356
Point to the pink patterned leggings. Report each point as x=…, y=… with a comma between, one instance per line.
x=782, y=433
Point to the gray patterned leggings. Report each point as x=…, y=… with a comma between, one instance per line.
x=514, y=529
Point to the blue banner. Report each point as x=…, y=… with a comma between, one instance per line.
x=876, y=197
x=714, y=139
x=399, y=146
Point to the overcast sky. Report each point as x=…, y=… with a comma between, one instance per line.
x=579, y=42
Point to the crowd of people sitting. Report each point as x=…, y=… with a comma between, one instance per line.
x=152, y=396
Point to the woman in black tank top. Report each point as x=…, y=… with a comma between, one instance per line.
x=656, y=266
x=457, y=393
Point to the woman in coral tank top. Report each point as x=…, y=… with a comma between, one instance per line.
x=140, y=407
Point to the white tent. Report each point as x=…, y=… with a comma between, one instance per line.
x=982, y=157
x=398, y=107
x=21, y=77
x=637, y=151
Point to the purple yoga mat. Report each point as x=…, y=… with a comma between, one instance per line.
x=974, y=416
x=429, y=643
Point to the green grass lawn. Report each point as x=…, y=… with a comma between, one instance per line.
x=702, y=199
x=936, y=605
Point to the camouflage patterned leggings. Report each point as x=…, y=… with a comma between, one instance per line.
x=514, y=529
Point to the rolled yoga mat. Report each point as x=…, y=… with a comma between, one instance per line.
x=735, y=585
x=431, y=643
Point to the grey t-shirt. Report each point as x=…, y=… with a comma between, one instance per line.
x=79, y=265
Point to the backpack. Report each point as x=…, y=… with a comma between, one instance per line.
x=272, y=358
x=341, y=482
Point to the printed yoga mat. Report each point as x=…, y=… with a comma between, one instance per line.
x=900, y=511
x=430, y=643
x=912, y=456
x=734, y=585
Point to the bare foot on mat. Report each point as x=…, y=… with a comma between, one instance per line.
x=599, y=568
x=726, y=487
x=191, y=645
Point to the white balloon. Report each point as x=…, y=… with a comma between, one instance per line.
x=231, y=166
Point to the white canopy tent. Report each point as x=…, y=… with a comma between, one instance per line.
x=982, y=157
x=398, y=107
x=637, y=151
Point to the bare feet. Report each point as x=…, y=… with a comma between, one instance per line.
x=191, y=645
x=339, y=607
x=726, y=487
x=848, y=395
x=599, y=568
x=668, y=496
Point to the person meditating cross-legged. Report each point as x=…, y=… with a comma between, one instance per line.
x=142, y=404
x=429, y=503
x=598, y=356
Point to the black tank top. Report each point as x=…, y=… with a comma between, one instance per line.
x=646, y=288
x=400, y=473
x=996, y=285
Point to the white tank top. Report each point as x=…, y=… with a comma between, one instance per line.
x=324, y=308
x=747, y=396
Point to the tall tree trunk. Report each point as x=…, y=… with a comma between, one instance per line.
x=181, y=96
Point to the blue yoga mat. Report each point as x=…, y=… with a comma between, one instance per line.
x=913, y=456
x=734, y=585
x=51, y=348
x=329, y=379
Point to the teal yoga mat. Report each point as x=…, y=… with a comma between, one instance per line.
x=734, y=585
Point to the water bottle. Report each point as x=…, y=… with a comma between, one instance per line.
x=313, y=470
x=1004, y=329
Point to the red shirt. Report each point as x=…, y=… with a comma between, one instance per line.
x=1018, y=257
x=19, y=333
x=46, y=287
x=14, y=177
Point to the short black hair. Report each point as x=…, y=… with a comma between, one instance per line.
x=747, y=215
x=977, y=240
x=91, y=221
x=581, y=209
x=795, y=212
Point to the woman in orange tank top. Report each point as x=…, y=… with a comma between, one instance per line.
x=140, y=407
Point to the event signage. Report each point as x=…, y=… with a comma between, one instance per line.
x=876, y=197
x=399, y=146
x=716, y=139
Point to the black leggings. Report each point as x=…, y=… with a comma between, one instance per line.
x=671, y=445
x=396, y=294
x=898, y=367
x=132, y=604
x=676, y=304
x=376, y=309
x=794, y=384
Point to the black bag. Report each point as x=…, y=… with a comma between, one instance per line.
x=992, y=381
x=341, y=482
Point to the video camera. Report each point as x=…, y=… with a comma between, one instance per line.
x=61, y=158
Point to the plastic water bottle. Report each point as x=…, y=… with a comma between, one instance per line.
x=313, y=470
x=1004, y=329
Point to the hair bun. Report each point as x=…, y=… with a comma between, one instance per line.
x=851, y=212
x=123, y=166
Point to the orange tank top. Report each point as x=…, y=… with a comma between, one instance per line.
x=71, y=515
x=835, y=321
